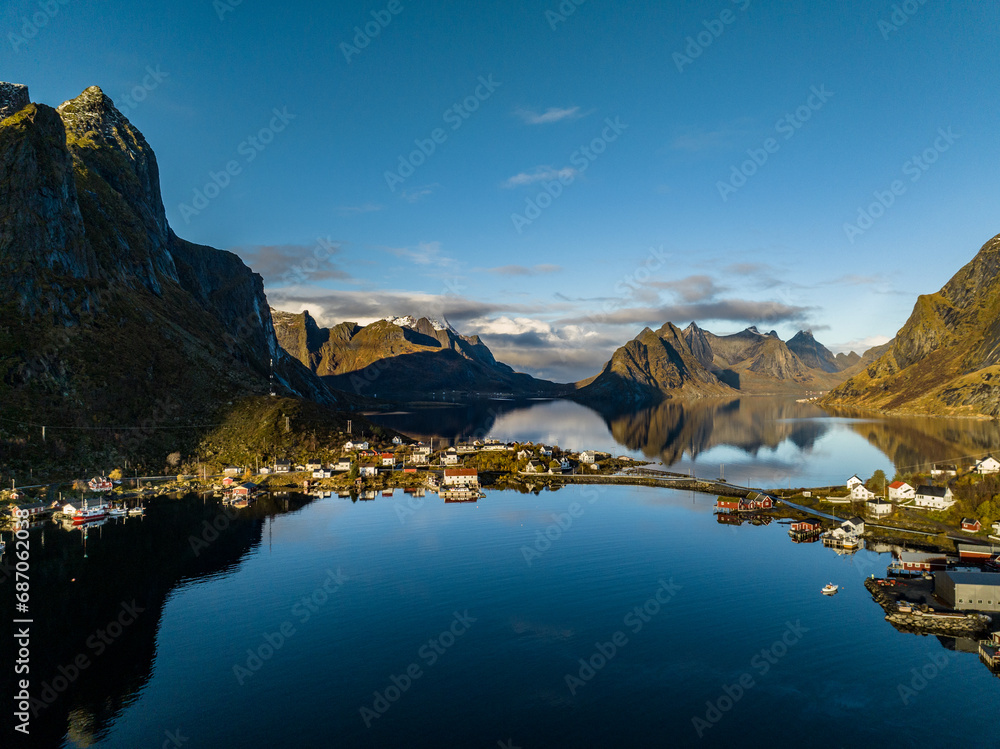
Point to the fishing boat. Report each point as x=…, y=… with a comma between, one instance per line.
x=140, y=510
x=829, y=589
x=117, y=512
x=87, y=514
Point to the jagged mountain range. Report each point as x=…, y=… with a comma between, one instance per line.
x=107, y=316
x=693, y=362
x=946, y=357
x=400, y=357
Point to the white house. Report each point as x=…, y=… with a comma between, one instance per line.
x=943, y=469
x=422, y=449
x=546, y=452
x=418, y=459
x=355, y=445
x=461, y=477
x=934, y=497
x=397, y=441
x=860, y=493
x=565, y=465
x=322, y=473
x=388, y=459
x=344, y=464
x=231, y=471
x=282, y=467
x=536, y=466
x=878, y=507
x=314, y=465
x=854, y=481
x=450, y=457
x=900, y=491
x=369, y=470
x=522, y=454
x=589, y=457
x=996, y=528
x=987, y=465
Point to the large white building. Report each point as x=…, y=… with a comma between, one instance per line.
x=987, y=465
x=934, y=497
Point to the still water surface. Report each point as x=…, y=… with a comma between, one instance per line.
x=740, y=638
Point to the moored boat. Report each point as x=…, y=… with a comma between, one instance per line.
x=829, y=589
x=87, y=514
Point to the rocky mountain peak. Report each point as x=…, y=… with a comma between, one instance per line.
x=13, y=98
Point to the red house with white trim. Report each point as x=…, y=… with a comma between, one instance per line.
x=971, y=525
x=805, y=526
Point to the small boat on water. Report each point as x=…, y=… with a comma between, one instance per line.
x=140, y=510
x=829, y=589
x=117, y=512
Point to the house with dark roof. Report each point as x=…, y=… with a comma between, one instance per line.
x=934, y=497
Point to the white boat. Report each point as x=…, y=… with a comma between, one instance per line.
x=117, y=512
x=137, y=510
x=829, y=589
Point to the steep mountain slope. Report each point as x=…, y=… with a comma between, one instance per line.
x=652, y=366
x=946, y=358
x=400, y=357
x=814, y=354
x=108, y=318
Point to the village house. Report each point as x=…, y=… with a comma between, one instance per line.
x=934, y=497
x=854, y=481
x=228, y=481
x=900, y=491
x=322, y=473
x=971, y=525
x=314, y=465
x=565, y=465
x=943, y=469
x=282, y=467
x=535, y=466
x=522, y=454
x=264, y=470
x=450, y=457
x=344, y=464
x=397, y=441
x=987, y=465
x=355, y=445
x=852, y=527
x=388, y=459
x=369, y=470
x=30, y=510
x=996, y=527
x=100, y=484
x=419, y=459
x=231, y=471
x=878, y=507
x=804, y=526
x=860, y=493
x=589, y=457
x=918, y=562
x=244, y=490
x=421, y=449
x=461, y=477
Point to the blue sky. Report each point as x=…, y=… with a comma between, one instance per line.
x=708, y=159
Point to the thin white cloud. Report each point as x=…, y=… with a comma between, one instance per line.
x=416, y=194
x=540, y=174
x=523, y=270
x=550, y=115
x=425, y=253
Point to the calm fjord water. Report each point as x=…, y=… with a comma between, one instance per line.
x=458, y=624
